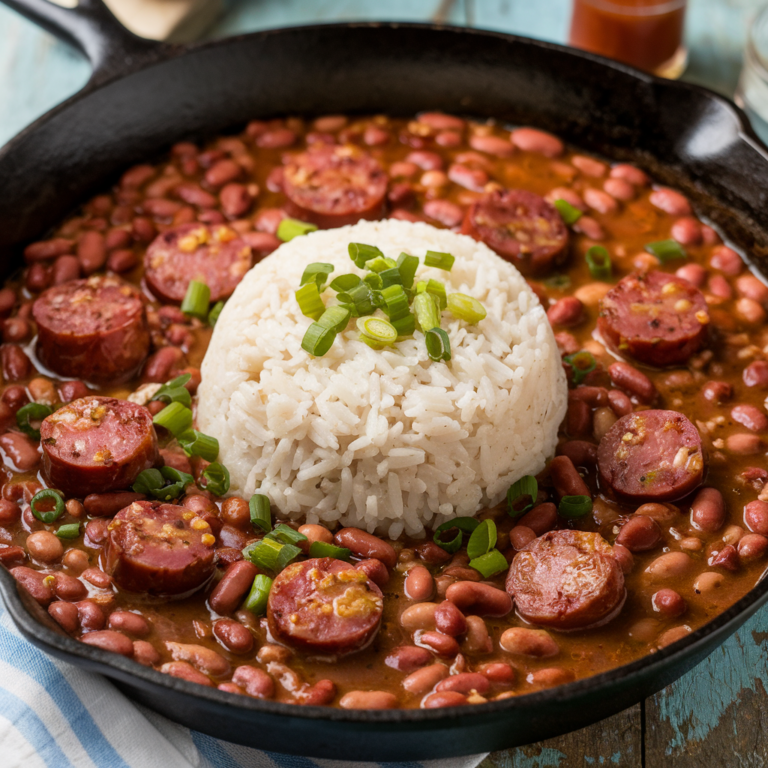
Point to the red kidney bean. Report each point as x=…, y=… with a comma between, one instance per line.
x=639, y=534
x=670, y=565
x=223, y=172
x=366, y=545
x=444, y=699
x=425, y=679
x=717, y=391
x=137, y=176
x=368, y=700
x=76, y=560
x=522, y=641
x=566, y=478
x=10, y=512
x=427, y=161
x=449, y=619
x=460, y=572
x=719, y=286
x=96, y=532
x=568, y=312
x=693, y=273
x=7, y=416
x=756, y=374
x=444, y=211
x=65, y=268
x=479, y=599
x=205, y=659
x=619, y=403
x=322, y=692
x=441, y=644
x=631, y=174
x=756, y=517
x=145, y=653
x=277, y=138
x=16, y=330
x=670, y=201
x=578, y=418
x=493, y=145
x=122, y=260
x=91, y=615
x=36, y=583
x=520, y=536
x=431, y=553
x=233, y=587
x=130, y=623
x=185, y=671
x=752, y=546
x=750, y=287
x=255, y=681
x=109, y=640
x=542, y=518
x=580, y=452
x=158, y=367
x=159, y=208
x=375, y=570
x=195, y=195
x=65, y=615
x=726, y=260
x=12, y=556
x=594, y=396
x=233, y=636
x=624, y=558
x=551, y=676
x=620, y=189
x=687, y=231
x=532, y=140
x=407, y=658
x=20, y=451
x=235, y=200
x=117, y=238
x=419, y=584
x=708, y=510
x=72, y=390
x=109, y=504
x=7, y=301
x=567, y=194
x=744, y=445
x=669, y=603
x=91, y=252
x=234, y=511
x=465, y=682
x=48, y=249
x=600, y=201
x=589, y=166
x=627, y=377
x=96, y=576
x=16, y=364
x=469, y=178
x=727, y=557
x=68, y=587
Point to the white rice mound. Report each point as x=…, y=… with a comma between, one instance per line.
x=384, y=440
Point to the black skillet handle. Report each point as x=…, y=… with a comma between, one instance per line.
x=111, y=49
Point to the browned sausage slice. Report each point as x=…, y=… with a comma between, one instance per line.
x=214, y=255
x=334, y=186
x=97, y=444
x=656, y=318
x=324, y=606
x=651, y=456
x=567, y=580
x=521, y=227
x=159, y=549
x=94, y=329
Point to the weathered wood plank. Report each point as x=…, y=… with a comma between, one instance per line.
x=616, y=741
x=717, y=714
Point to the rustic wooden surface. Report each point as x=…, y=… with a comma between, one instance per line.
x=717, y=715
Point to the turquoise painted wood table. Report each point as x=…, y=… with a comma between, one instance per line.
x=715, y=716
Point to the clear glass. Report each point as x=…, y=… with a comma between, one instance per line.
x=647, y=34
x=752, y=90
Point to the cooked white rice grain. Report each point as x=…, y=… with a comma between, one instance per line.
x=385, y=440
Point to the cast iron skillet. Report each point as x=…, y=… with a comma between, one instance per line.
x=144, y=96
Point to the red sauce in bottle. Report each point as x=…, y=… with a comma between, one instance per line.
x=645, y=33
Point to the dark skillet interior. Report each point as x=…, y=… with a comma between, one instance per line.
x=683, y=135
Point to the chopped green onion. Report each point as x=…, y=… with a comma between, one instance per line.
x=318, y=340
x=666, y=250
x=310, y=302
x=599, y=262
x=378, y=329
x=175, y=417
x=290, y=228
x=572, y=507
x=321, y=549
x=466, y=308
x=426, y=312
x=379, y=264
x=405, y=326
x=374, y=281
x=372, y=343
x=462, y=525
x=47, y=516
x=174, y=391
x=581, y=363
x=317, y=273
x=261, y=514
x=195, y=443
x=180, y=481
x=216, y=478
x=491, y=563
x=196, y=300
x=482, y=540
x=436, y=289
x=360, y=253
x=359, y=299
x=558, y=282
x=345, y=283
x=285, y=534
x=335, y=318
x=395, y=302
x=407, y=265
x=391, y=277
x=32, y=412
x=256, y=602
x=68, y=531
x=519, y=493
x=569, y=214
x=264, y=553
x=148, y=481
x=213, y=315
x=287, y=555
x=438, y=345
x=440, y=260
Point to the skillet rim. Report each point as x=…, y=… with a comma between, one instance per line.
x=115, y=666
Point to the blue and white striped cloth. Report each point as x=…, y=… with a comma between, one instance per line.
x=55, y=715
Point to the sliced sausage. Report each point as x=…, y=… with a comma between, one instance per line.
x=521, y=227
x=94, y=329
x=566, y=580
x=656, y=318
x=651, y=456
x=159, y=549
x=211, y=254
x=97, y=444
x=324, y=606
x=334, y=185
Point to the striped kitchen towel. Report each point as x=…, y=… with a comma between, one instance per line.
x=55, y=715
